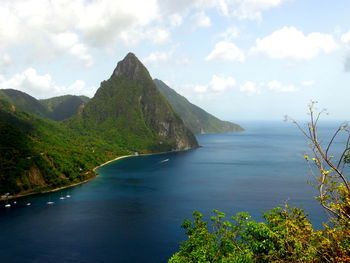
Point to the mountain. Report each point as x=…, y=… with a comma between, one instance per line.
x=196, y=119
x=64, y=107
x=57, y=108
x=38, y=154
x=24, y=102
x=129, y=109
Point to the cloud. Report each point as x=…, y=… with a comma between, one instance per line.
x=246, y=9
x=201, y=20
x=308, y=83
x=5, y=61
x=217, y=84
x=345, y=38
x=68, y=42
x=230, y=33
x=256, y=88
x=161, y=58
x=289, y=42
x=226, y=51
x=221, y=83
x=347, y=64
x=175, y=20
x=157, y=56
x=277, y=86
x=251, y=88
x=39, y=86
x=43, y=26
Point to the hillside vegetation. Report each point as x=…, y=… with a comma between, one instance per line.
x=196, y=119
x=37, y=154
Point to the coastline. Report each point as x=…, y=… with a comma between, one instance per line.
x=66, y=186
x=89, y=179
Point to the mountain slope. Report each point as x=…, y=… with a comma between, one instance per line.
x=129, y=110
x=24, y=102
x=63, y=107
x=38, y=154
x=195, y=118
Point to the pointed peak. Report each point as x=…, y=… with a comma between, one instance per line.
x=130, y=67
x=130, y=55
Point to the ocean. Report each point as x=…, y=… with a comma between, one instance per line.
x=133, y=210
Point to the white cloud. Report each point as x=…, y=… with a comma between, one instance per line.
x=201, y=20
x=175, y=20
x=44, y=25
x=230, y=33
x=68, y=42
x=345, y=38
x=347, y=64
x=226, y=51
x=289, y=42
x=157, y=56
x=217, y=84
x=200, y=88
x=5, y=61
x=308, y=83
x=251, y=88
x=257, y=88
x=161, y=58
x=277, y=86
x=40, y=86
x=158, y=35
x=246, y=9
x=221, y=83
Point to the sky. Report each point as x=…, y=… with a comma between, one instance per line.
x=237, y=59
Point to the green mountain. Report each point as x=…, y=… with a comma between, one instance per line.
x=129, y=109
x=127, y=114
x=64, y=107
x=196, y=119
x=38, y=154
x=57, y=108
x=24, y=102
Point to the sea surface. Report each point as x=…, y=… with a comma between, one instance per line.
x=133, y=210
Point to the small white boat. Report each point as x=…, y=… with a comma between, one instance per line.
x=62, y=198
x=166, y=160
x=68, y=196
x=28, y=204
x=7, y=205
x=50, y=203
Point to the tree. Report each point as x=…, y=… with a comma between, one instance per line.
x=329, y=170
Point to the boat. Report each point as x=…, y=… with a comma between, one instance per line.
x=68, y=196
x=166, y=160
x=7, y=200
x=50, y=202
x=28, y=204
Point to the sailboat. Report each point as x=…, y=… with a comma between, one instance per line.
x=7, y=200
x=50, y=202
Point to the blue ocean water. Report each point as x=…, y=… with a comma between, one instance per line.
x=133, y=210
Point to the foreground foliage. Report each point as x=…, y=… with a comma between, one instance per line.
x=286, y=236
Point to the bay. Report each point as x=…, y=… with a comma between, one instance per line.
x=133, y=210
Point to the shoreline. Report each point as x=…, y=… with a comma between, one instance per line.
x=66, y=186
x=89, y=179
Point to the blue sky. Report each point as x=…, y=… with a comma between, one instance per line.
x=237, y=59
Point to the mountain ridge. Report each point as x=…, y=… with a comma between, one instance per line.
x=195, y=118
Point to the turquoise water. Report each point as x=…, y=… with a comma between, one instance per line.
x=132, y=212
